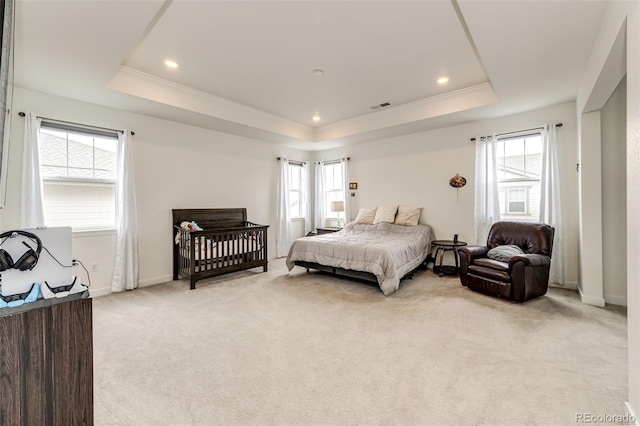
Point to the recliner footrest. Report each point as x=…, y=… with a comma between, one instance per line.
x=495, y=288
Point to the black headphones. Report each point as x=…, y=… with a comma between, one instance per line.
x=28, y=260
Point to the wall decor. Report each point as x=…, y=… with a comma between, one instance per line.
x=457, y=182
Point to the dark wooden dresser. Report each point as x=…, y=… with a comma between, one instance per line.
x=46, y=362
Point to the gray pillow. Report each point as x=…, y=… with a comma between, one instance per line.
x=504, y=253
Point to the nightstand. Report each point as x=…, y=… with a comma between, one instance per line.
x=443, y=246
x=327, y=230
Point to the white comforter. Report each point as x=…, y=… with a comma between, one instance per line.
x=388, y=251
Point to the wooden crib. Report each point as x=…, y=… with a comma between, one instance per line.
x=226, y=243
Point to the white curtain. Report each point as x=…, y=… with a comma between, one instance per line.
x=551, y=200
x=344, y=163
x=487, y=204
x=32, y=211
x=306, y=197
x=319, y=196
x=125, y=274
x=283, y=214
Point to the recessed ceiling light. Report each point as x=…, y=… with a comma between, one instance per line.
x=318, y=72
x=316, y=118
x=443, y=80
x=170, y=63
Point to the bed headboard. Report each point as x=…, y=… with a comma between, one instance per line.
x=211, y=218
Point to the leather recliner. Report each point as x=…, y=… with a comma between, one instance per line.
x=521, y=277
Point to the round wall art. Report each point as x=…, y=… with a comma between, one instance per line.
x=457, y=182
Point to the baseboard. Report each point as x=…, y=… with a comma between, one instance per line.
x=590, y=300
x=142, y=283
x=154, y=281
x=633, y=420
x=615, y=300
x=569, y=285
x=99, y=292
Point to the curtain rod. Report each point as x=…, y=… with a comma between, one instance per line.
x=22, y=114
x=334, y=161
x=292, y=161
x=519, y=131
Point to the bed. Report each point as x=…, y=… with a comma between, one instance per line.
x=210, y=242
x=384, y=252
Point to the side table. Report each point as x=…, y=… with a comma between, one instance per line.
x=443, y=246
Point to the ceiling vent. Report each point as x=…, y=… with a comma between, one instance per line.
x=385, y=104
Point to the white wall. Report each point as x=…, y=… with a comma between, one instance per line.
x=180, y=166
x=590, y=209
x=633, y=205
x=415, y=170
x=614, y=196
x=600, y=80
x=176, y=166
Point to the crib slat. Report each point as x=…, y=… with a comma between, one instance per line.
x=236, y=242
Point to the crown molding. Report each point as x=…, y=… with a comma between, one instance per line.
x=422, y=109
x=150, y=87
x=147, y=86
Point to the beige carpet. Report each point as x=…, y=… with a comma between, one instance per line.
x=309, y=349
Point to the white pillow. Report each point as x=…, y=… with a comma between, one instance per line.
x=408, y=216
x=366, y=215
x=385, y=214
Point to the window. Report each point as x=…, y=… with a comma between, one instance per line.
x=519, y=160
x=296, y=199
x=516, y=200
x=333, y=187
x=78, y=168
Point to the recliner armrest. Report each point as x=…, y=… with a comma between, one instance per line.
x=530, y=260
x=529, y=276
x=467, y=254
x=472, y=252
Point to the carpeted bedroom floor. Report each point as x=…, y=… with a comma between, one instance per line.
x=274, y=348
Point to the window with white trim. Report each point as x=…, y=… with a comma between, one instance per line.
x=516, y=200
x=296, y=196
x=333, y=188
x=78, y=169
x=519, y=161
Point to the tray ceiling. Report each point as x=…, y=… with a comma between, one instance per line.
x=246, y=67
